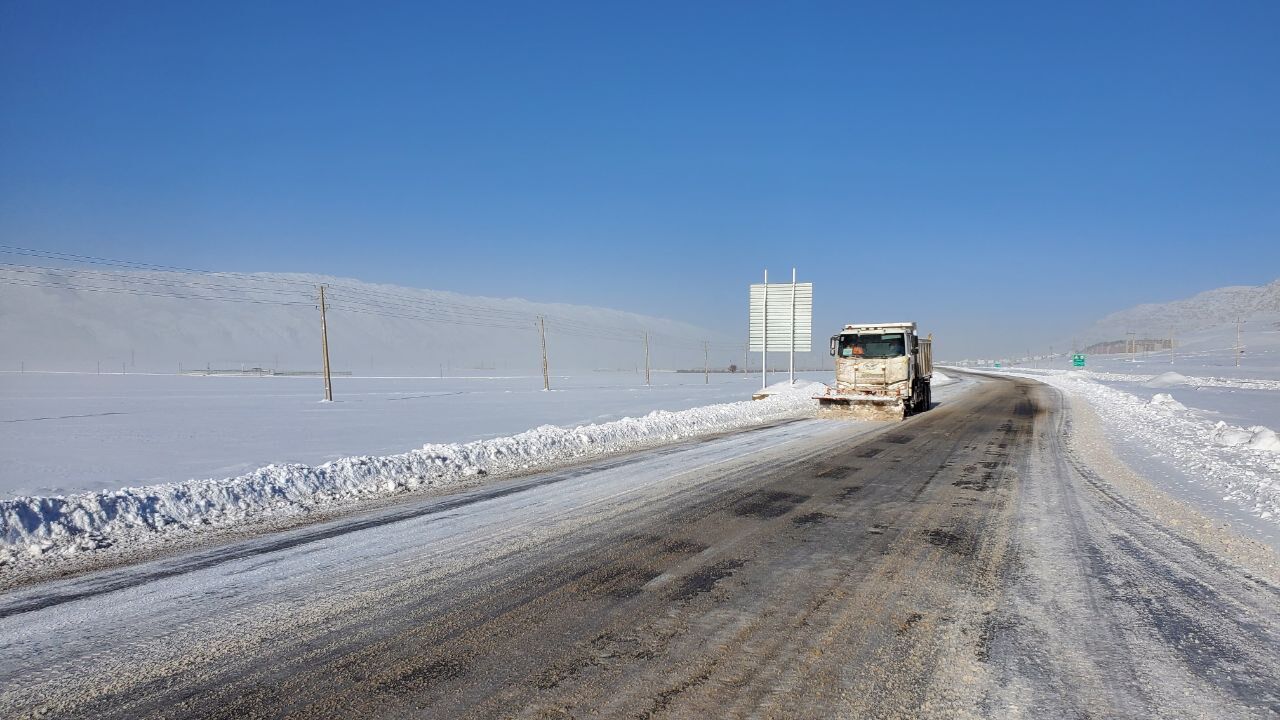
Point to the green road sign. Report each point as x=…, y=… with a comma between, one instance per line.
x=1077, y=360
x=997, y=364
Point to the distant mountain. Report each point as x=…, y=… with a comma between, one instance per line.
x=157, y=321
x=1205, y=310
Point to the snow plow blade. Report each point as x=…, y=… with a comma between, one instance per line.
x=855, y=407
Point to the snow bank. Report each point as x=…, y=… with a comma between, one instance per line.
x=38, y=525
x=1256, y=437
x=1264, y=439
x=1167, y=379
x=940, y=379
x=1243, y=464
x=1166, y=401
x=1229, y=435
x=784, y=387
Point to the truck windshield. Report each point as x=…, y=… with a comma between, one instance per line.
x=873, y=346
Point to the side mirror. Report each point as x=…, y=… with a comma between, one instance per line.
x=835, y=340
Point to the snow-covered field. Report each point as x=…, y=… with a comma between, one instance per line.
x=67, y=433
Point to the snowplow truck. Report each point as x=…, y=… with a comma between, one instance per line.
x=883, y=372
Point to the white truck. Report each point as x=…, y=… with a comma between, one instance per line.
x=883, y=371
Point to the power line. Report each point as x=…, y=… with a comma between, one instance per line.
x=94, y=260
x=408, y=305
x=127, y=280
x=127, y=291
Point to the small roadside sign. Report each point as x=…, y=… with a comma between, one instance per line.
x=997, y=364
x=1077, y=360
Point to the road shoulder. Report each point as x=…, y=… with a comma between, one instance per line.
x=1087, y=439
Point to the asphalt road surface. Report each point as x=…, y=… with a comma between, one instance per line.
x=961, y=563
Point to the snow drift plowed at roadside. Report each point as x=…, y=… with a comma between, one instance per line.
x=35, y=526
x=1239, y=465
x=939, y=379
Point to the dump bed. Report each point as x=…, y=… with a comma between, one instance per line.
x=926, y=358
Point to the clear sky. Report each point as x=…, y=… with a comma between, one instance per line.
x=1001, y=172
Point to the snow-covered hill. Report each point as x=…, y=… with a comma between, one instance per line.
x=155, y=321
x=1203, y=311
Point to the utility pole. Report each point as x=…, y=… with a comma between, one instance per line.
x=746, y=355
x=764, y=335
x=1132, y=337
x=542, y=333
x=646, y=357
x=1170, y=345
x=324, y=347
x=1239, y=347
x=791, y=367
x=706, y=364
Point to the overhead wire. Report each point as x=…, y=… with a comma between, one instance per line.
x=129, y=291
x=408, y=304
x=99, y=276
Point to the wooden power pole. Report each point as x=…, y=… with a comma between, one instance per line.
x=706, y=364
x=646, y=357
x=1239, y=349
x=324, y=346
x=542, y=334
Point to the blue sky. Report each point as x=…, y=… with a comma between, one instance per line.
x=1001, y=172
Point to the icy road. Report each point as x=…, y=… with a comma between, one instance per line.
x=967, y=562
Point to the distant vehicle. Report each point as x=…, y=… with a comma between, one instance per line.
x=883, y=372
